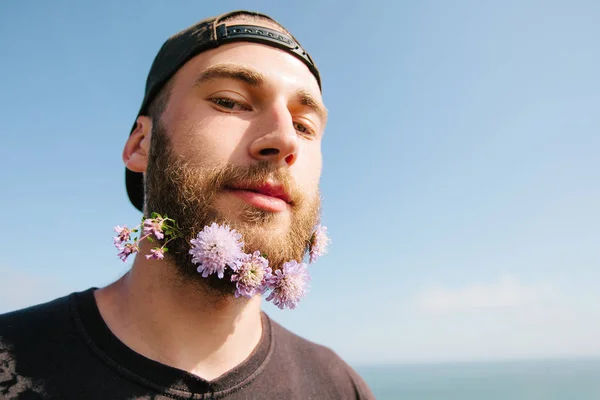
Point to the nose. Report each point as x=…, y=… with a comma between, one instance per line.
x=278, y=142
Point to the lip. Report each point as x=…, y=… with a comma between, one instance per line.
x=268, y=196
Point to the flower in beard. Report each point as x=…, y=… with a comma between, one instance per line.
x=215, y=248
x=289, y=284
x=127, y=250
x=252, y=275
x=154, y=226
x=123, y=235
x=157, y=253
x=318, y=243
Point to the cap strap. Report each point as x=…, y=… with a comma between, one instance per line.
x=267, y=36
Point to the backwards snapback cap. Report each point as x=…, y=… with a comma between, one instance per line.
x=183, y=46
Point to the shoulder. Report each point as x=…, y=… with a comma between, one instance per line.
x=31, y=343
x=37, y=330
x=319, y=363
x=35, y=320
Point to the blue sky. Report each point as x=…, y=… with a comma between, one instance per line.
x=461, y=180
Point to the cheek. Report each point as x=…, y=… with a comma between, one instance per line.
x=308, y=171
x=197, y=128
x=210, y=140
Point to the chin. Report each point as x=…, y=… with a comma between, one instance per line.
x=244, y=215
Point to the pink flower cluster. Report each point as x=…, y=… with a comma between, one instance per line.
x=156, y=227
x=219, y=249
x=318, y=243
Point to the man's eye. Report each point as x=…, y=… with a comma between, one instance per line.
x=229, y=104
x=303, y=129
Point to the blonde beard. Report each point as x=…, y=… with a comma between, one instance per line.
x=187, y=194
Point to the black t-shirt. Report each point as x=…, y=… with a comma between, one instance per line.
x=64, y=350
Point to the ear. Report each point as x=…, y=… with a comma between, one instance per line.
x=135, y=153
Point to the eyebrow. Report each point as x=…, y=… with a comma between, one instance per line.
x=254, y=78
x=308, y=100
x=229, y=71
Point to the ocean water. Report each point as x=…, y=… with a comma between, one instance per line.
x=552, y=379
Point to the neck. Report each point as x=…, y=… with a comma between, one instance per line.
x=178, y=323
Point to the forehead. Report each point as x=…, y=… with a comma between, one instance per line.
x=281, y=69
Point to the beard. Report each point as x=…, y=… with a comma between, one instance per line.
x=187, y=193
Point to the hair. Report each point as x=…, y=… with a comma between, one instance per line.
x=158, y=105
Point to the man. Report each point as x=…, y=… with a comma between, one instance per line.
x=229, y=133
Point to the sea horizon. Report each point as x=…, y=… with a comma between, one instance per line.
x=547, y=378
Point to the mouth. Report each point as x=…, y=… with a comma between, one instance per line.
x=268, y=196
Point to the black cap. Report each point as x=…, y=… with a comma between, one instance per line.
x=183, y=46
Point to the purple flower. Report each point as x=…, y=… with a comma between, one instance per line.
x=127, y=250
x=318, y=243
x=289, y=284
x=123, y=236
x=252, y=275
x=215, y=248
x=157, y=253
x=154, y=227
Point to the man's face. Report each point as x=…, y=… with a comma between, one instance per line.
x=239, y=142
